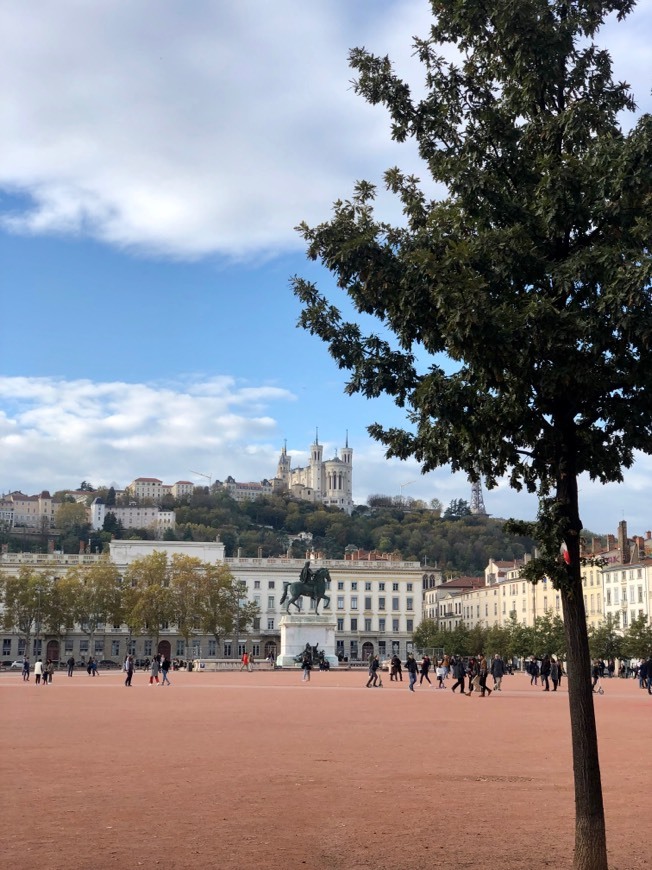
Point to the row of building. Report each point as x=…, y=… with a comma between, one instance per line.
x=326, y=481
x=620, y=586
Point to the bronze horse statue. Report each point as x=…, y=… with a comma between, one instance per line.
x=315, y=590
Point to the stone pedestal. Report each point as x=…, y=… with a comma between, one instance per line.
x=298, y=629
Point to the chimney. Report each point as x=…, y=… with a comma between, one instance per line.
x=611, y=542
x=648, y=535
x=623, y=542
x=82, y=547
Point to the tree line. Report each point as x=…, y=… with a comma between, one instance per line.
x=545, y=637
x=197, y=597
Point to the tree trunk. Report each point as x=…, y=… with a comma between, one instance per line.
x=590, y=835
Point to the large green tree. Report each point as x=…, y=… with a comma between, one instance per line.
x=531, y=272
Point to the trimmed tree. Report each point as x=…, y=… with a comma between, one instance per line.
x=532, y=273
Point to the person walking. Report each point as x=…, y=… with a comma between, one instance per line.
x=534, y=672
x=446, y=664
x=244, y=661
x=374, y=664
x=397, y=669
x=71, y=666
x=38, y=671
x=459, y=672
x=250, y=663
x=154, y=669
x=49, y=671
x=129, y=670
x=306, y=665
x=25, y=669
x=474, y=675
x=412, y=667
x=483, y=673
x=554, y=673
x=497, y=672
x=545, y=673
x=165, y=667
x=425, y=668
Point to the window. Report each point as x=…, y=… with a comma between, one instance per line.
x=131, y=648
x=354, y=623
x=6, y=646
x=395, y=604
x=367, y=602
x=256, y=623
x=340, y=623
x=340, y=585
x=409, y=587
x=271, y=584
x=381, y=587
x=256, y=584
x=354, y=602
x=608, y=596
x=409, y=604
x=381, y=624
x=257, y=600
x=99, y=646
x=181, y=647
x=495, y=609
x=394, y=587
x=165, y=625
x=545, y=602
x=504, y=607
x=410, y=625
x=367, y=586
x=486, y=609
x=640, y=595
x=270, y=624
x=340, y=602
x=354, y=586
x=68, y=646
x=395, y=625
x=115, y=647
x=227, y=650
x=367, y=625
x=558, y=602
x=255, y=649
x=381, y=603
x=270, y=602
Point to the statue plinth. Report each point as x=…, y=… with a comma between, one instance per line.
x=298, y=629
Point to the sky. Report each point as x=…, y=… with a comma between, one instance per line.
x=155, y=159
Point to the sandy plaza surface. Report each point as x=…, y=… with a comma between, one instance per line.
x=247, y=770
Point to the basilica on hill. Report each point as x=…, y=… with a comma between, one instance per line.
x=329, y=481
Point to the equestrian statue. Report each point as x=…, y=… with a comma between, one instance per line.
x=312, y=584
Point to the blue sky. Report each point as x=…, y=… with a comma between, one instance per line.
x=155, y=159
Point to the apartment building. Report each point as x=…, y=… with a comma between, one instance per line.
x=376, y=605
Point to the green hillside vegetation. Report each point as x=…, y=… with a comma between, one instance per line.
x=272, y=526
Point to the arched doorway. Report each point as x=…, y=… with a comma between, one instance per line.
x=270, y=649
x=367, y=650
x=52, y=651
x=164, y=648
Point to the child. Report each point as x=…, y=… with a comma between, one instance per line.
x=441, y=676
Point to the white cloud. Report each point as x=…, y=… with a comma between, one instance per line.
x=189, y=129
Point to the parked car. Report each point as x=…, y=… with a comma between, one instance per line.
x=17, y=665
x=109, y=664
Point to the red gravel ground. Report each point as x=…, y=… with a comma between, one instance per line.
x=239, y=770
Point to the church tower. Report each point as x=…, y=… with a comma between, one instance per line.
x=316, y=459
x=283, y=467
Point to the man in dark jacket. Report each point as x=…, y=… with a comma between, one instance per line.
x=374, y=664
x=459, y=672
x=412, y=668
x=497, y=671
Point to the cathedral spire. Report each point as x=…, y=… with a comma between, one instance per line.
x=347, y=438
